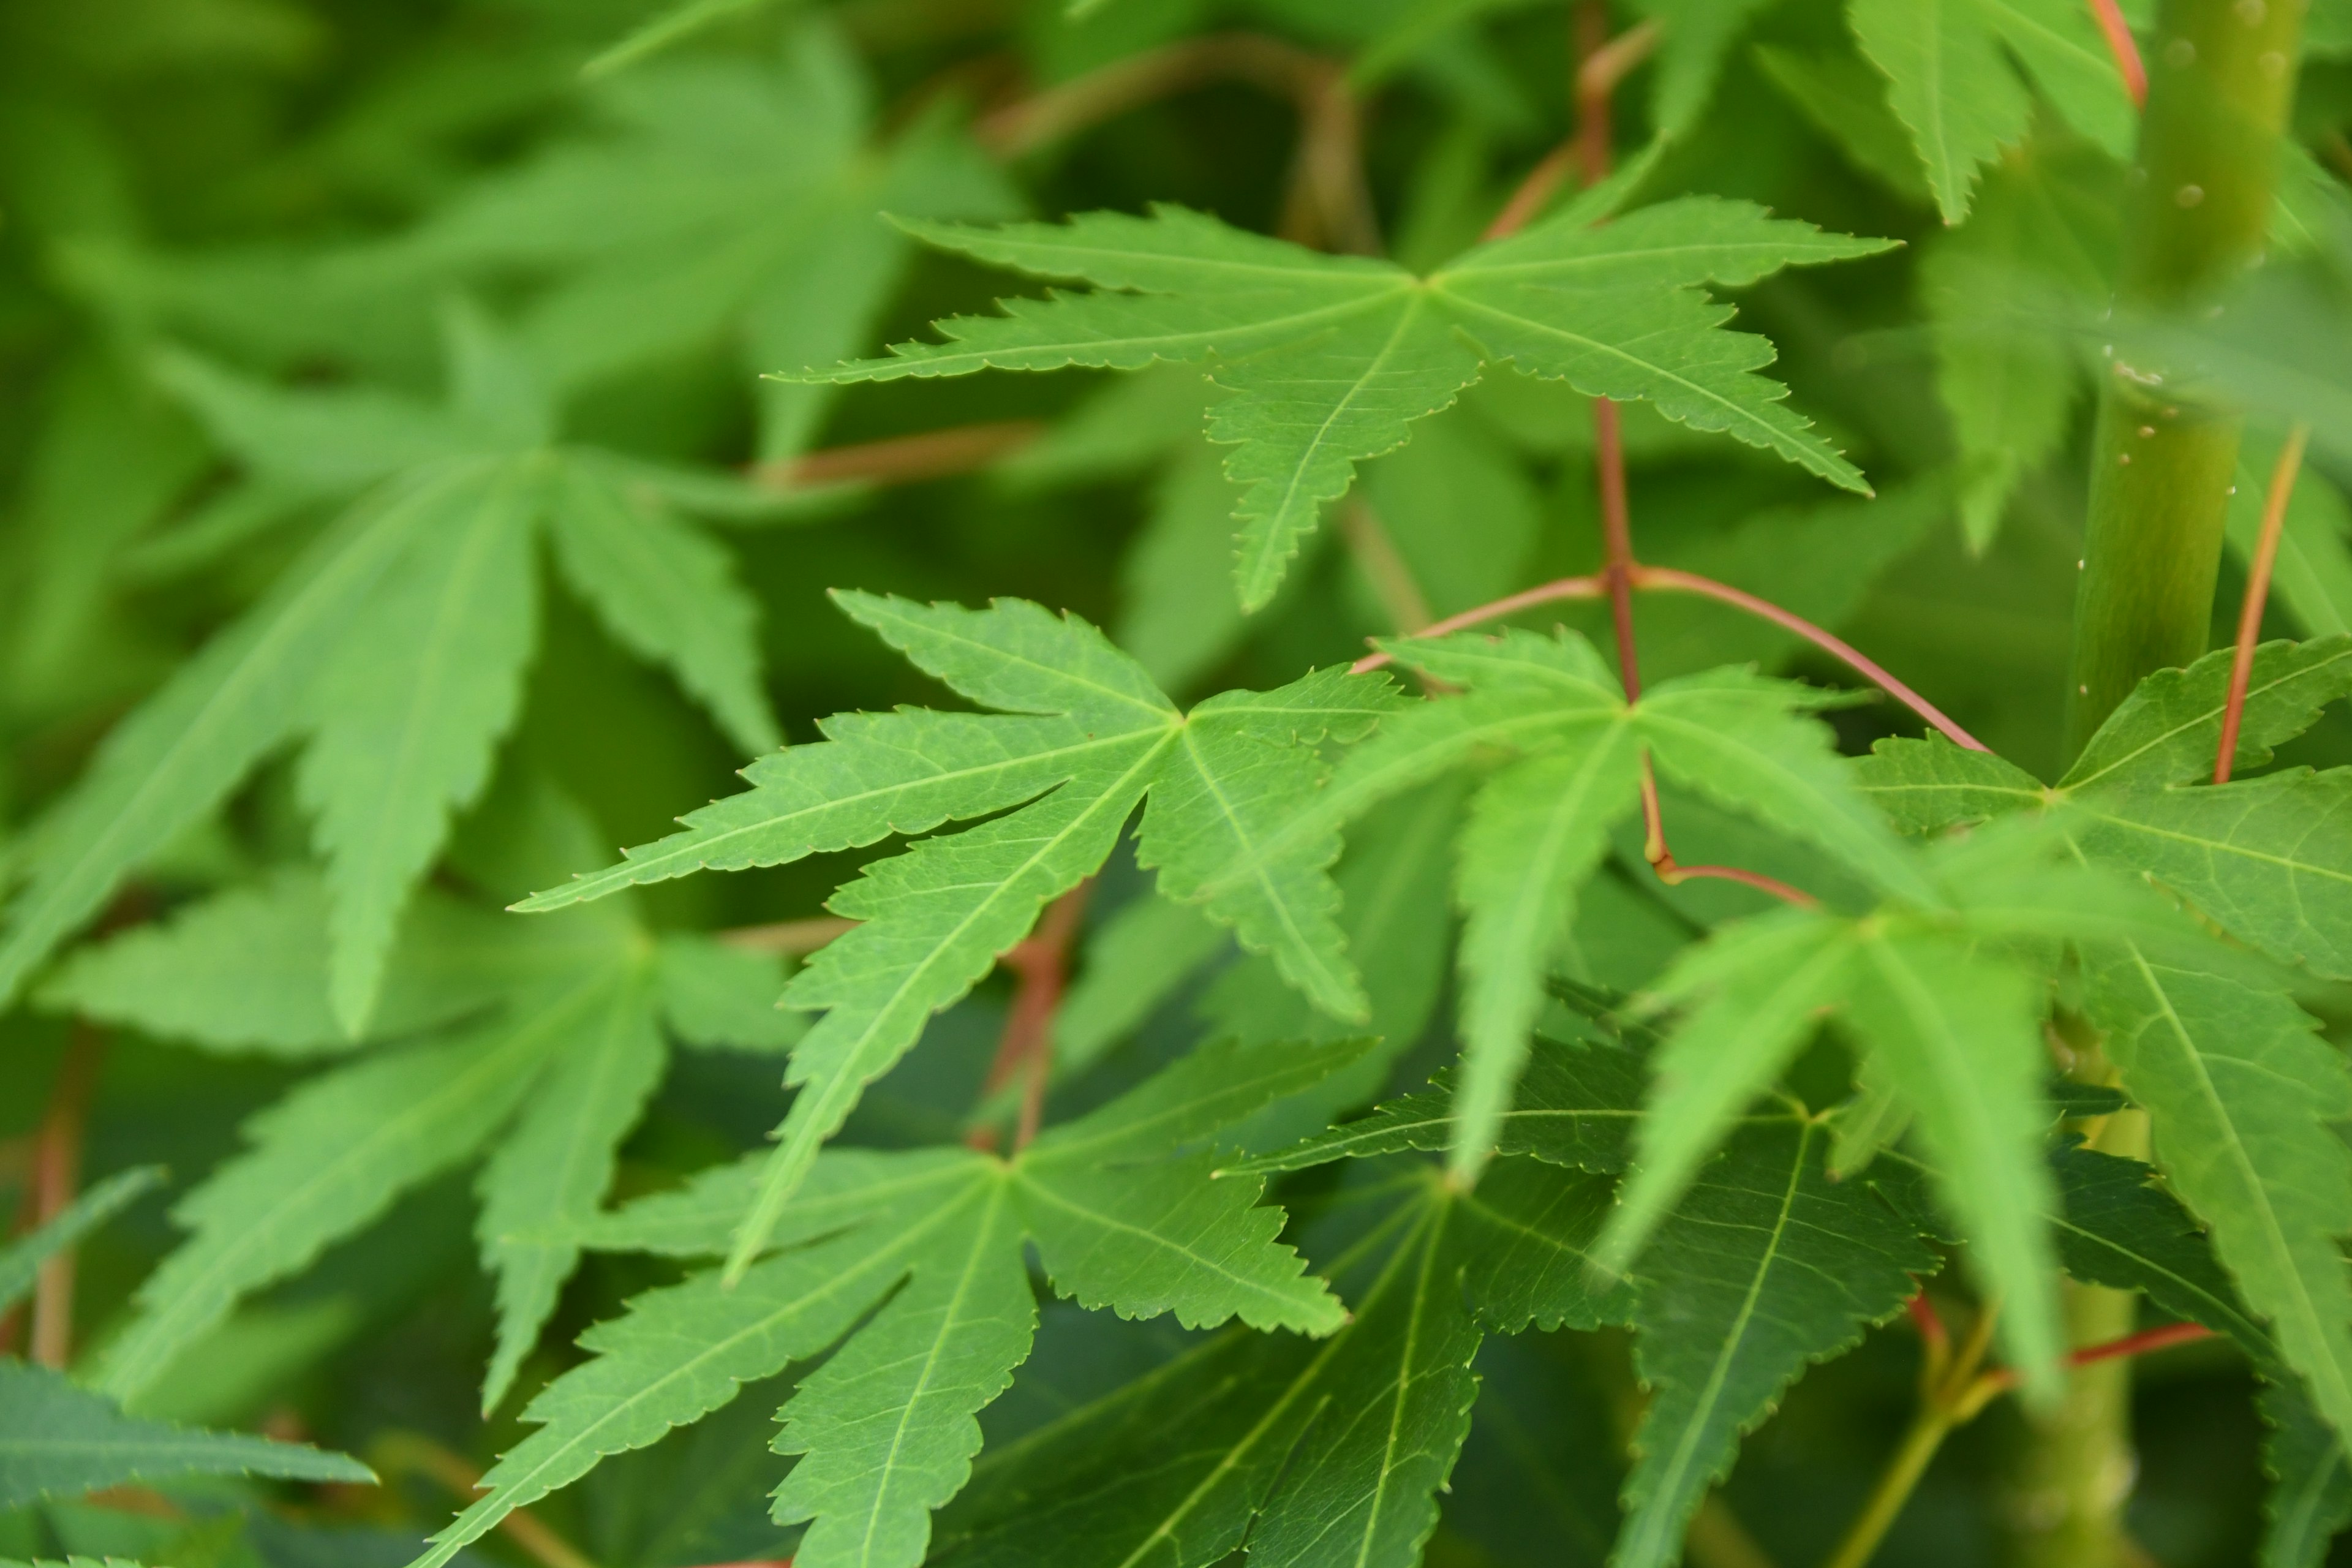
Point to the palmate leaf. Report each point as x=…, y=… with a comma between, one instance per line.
x=1089, y=738
x=1330, y=360
x=395, y=648
x=1312, y=1453
x=1765, y=1267
x=561, y=1021
x=1949, y=64
x=60, y=1440
x=1947, y=1004
x=886, y=1429
x=2235, y=1079
x=715, y=202
x=1539, y=827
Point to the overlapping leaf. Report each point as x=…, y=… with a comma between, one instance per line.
x=395, y=648
x=2239, y=1085
x=1330, y=360
x=1088, y=739
x=929, y=1242
x=1539, y=824
x=1953, y=67
x=717, y=202
x=561, y=1024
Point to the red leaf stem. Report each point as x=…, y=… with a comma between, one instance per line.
x=2120, y=44
x=902, y=459
x=2140, y=1344
x=1040, y=965
x=2258, y=589
x=1667, y=579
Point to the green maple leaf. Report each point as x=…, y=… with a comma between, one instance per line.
x=716, y=202
x=2238, y=1084
x=1952, y=66
x=1539, y=825
x=1088, y=739
x=397, y=645
x=60, y=1440
x=1764, y=1266
x=929, y=1242
x=1329, y=360
x=1310, y=1452
x=545, y=1041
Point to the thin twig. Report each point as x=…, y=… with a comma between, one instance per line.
x=1667, y=579
x=903, y=459
x=1329, y=204
x=2120, y=44
x=2258, y=589
x=57, y=1173
x=1673, y=872
x=1935, y=1341
x=1587, y=148
x=1040, y=963
x=1067, y=108
x=415, y=1452
x=787, y=936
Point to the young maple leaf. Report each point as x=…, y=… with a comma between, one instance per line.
x=1085, y=737
x=396, y=645
x=930, y=1242
x=1329, y=359
x=541, y=1043
x=1538, y=827
x=2239, y=1088
x=1952, y=66
x=715, y=201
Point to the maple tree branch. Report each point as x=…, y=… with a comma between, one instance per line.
x=55, y=1174
x=1041, y=965
x=1586, y=149
x=902, y=459
x=786, y=936
x=2258, y=589
x=1329, y=204
x=1027, y=124
x=2124, y=46
x=1668, y=578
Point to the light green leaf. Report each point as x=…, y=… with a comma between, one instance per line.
x=1847, y=99
x=1535, y=832
x=60, y=1440
x=885, y=1427
x=666, y=593
x=1952, y=82
x=1330, y=360
x=2310, y=1499
x=1924, y=786
x=1959, y=1034
x=552, y=1169
x=407, y=710
x=2167, y=731
x=2240, y=1092
x=328, y=1158
x=245, y=969
x=1089, y=728
x=180, y=754
x=1135, y=960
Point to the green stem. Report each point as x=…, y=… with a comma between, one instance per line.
x=2196, y=214
x=2222, y=76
